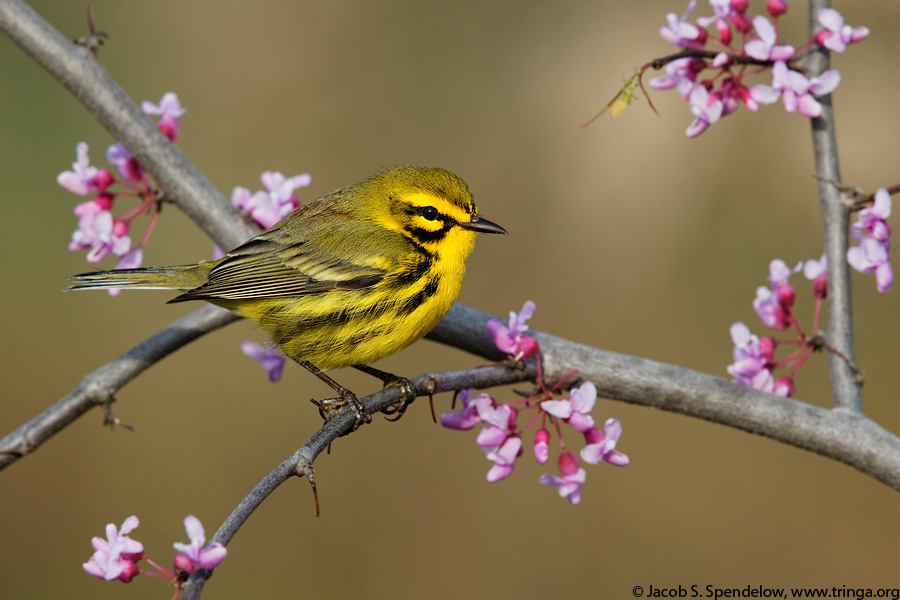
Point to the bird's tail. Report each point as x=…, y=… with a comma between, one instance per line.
x=185, y=277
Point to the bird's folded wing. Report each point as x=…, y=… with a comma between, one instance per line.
x=264, y=268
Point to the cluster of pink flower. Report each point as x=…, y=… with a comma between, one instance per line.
x=754, y=357
x=874, y=236
x=501, y=437
x=98, y=230
x=117, y=556
x=758, y=49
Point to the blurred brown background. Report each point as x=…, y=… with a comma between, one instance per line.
x=627, y=235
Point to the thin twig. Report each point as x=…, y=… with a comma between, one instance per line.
x=854, y=197
x=303, y=459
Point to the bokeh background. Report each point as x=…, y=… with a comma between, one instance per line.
x=627, y=235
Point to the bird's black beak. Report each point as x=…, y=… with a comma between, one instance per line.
x=482, y=225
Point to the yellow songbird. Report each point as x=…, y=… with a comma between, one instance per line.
x=345, y=280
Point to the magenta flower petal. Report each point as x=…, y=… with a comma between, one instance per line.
x=511, y=339
x=825, y=83
x=814, y=268
x=605, y=449
x=678, y=31
x=504, y=458
x=276, y=202
x=271, y=358
x=558, y=408
x=541, y=445
x=194, y=556
x=465, y=418
x=764, y=48
x=764, y=94
x=491, y=437
x=568, y=486
x=80, y=179
x=581, y=422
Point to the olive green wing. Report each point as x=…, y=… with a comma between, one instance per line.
x=279, y=265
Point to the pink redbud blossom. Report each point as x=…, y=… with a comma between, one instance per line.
x=779, y=272
x=567, y=463
x=838, y=35
x=542, y=445
x=116, y=556
x=281, y=188
x=504, y=457
x=784, y=386
x=491, y=437
x=679, y=32
x=170, y=111
x=681, y=74
x=271, y=358
x=816, y=271
x=740, y=22
x=502, y=417
x=764, y=48
x=776, y=8
x=874, y=235
x=872, y=255
x=724, y=31
x=467, y=417
x=707, y=109
x=84, y=179
x=575, y=409
x=194, y=556
x=92, y=207
x=569, y=485
x=131, y=259
x=750, y=367
x=512, y=339
x=97, y=232
x=500, y=421
x=721, y=10
x=871, y=221
x=119, y=156
x=786, y=295
x=795, y=90
x=601, y=445
x=270, y=206
x=770, y=310
x=813, y=269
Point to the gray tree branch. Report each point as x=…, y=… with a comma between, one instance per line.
x=845, y=389
x=99, y=387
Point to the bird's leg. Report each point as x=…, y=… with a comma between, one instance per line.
x=345, y=397
x=408, y=394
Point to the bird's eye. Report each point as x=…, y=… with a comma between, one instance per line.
x=430, y=213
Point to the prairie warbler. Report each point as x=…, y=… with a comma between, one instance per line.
x=345, y=280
